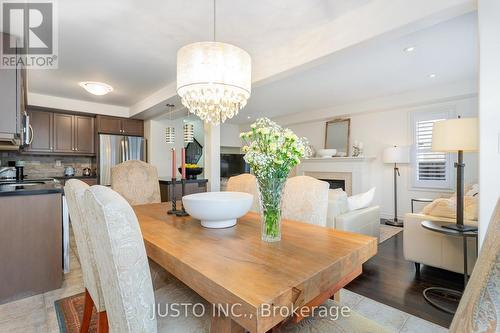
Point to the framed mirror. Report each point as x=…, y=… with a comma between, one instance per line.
x=337, y=136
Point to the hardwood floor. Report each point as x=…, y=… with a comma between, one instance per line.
x=388, y=278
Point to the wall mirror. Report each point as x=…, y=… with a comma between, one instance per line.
x=337, y=136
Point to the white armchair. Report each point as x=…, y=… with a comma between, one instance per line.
x=363, y=221
x=426, y=247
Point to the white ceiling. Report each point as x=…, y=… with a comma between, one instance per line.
x=378, y=68
x=132, y=45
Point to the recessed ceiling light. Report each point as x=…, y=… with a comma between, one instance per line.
x=96, y=88
x=432, y=75
x=249, y=117
x=409, y=49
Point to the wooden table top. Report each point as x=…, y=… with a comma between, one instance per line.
x=234, y=266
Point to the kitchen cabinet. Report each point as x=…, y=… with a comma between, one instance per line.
x=31, y=237
x=192, y=186
x=83, y=134
x=88, y=180
x=41, y=128
x=61, y=133
x=12, y=101
x=120, y=126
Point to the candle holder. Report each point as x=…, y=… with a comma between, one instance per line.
x=182, y=212
x=174, y=209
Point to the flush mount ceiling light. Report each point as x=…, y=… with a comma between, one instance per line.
x=213, y=79
x=96, y=88
x=432, y=75
x=409, y=49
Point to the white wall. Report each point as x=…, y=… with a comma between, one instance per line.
x=381, y=129
x=159, y=152
x=230, y=135
x=489, y=110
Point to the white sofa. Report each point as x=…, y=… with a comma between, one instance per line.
x=426, y=247
x=363, y=221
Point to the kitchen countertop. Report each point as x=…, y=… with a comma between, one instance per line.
x=168, y=180
x=48, y=186
x=76, y=177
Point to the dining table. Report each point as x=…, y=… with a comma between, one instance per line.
x=263, y=284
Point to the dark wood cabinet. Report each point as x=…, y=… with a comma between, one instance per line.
x=41, y=127
x=83, y=134
x=123, y=126
x=109, y=125
x=191, y=187
x=61, y=133
x=133, y=127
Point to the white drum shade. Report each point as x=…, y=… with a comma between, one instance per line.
x=213, y=79
x=455, y=134
x=396, y=154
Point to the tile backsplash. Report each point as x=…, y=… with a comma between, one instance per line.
x=46, y=166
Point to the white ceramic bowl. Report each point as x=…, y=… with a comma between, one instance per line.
x=217, y=209
x=326, y=152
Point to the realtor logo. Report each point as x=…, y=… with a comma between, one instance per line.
x=29, y=36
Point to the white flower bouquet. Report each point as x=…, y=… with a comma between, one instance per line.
x=271, y=151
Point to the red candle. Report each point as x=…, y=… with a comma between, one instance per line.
x=183, y=163
x=173, y=163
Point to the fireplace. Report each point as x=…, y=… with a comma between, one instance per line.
x=335, y=183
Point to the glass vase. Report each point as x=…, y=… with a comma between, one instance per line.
x=270, y=195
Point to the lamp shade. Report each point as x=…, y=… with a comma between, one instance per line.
x=455, y=134
x=396, y=154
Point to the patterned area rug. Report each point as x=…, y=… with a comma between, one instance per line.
x=388, y=231
x=69, y=312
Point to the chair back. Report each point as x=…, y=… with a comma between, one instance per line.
x=136, y=181
x=479, y=308
x=74, y=190
x=305, y=199
x=245, y=183
x=121, y=261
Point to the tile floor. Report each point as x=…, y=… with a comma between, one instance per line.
x=37, y=314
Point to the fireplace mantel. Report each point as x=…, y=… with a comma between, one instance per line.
x=338, y=159
x=355, y=171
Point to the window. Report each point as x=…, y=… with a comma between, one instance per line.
x=431, y=170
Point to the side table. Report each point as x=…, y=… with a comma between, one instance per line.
x=446, y=293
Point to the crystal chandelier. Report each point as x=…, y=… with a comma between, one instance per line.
x=213, y=79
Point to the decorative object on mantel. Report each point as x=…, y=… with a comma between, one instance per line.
x=327, y=153
x=213, y=78
x=337, y=136
x=457, y=135
x=395, y=155
x=357, y=149
x=271, y=151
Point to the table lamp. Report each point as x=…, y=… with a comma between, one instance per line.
x=396, y=155
x=458, y=136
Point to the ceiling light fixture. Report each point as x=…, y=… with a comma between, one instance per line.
x=170, y=130
x=432, y=75
x=96, y=88
x=409, y=49
x=213, y=78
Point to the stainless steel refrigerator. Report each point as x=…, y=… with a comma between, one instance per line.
x=115, y=149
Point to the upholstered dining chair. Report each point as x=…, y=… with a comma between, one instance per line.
x=305, y=199
x=245, y=183
x=136, y=181
x=74, y=190
x=123, y=268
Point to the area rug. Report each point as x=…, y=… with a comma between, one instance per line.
x=388, y=231
x=69, y=312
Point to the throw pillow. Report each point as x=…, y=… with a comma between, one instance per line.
x=337, y=202
x=444, y=207
x=361, y=200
